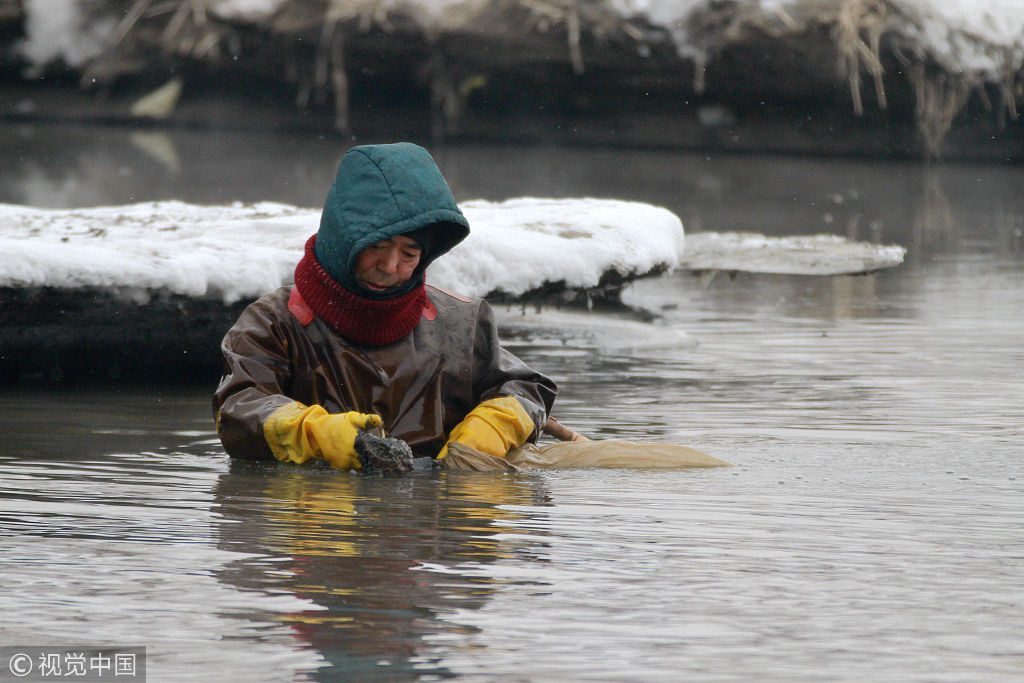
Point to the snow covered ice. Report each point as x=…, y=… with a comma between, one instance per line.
x=243, y=251
x=237, y=252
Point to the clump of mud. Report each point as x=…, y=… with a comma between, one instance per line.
x=383, y=455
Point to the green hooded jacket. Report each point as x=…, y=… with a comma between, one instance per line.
x=382, y=191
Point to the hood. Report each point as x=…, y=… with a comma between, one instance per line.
x=382, y=191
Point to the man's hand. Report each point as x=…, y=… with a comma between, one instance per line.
x=297, y=433
x=495, y=427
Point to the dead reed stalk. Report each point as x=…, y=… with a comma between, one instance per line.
x=859, y=28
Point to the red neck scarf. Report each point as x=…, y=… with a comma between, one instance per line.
x=363, y=321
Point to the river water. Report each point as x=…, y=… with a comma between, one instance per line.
x=870, y=528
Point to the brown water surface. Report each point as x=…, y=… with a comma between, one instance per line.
x=869, y=530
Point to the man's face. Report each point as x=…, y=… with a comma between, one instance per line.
x=388, y=264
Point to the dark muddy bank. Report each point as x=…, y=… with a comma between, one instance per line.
x=91, y=335
x=560, y=112
x=55, y=336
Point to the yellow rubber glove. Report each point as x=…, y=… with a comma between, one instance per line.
x=297, y=433
x=495, y=427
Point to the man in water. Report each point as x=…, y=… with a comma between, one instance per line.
x=360, y=340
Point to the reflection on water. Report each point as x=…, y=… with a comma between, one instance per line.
x=870, y=529
x=354, y=549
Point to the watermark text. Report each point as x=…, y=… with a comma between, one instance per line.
x=86, y=664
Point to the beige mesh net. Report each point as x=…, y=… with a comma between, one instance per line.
x=576, y=454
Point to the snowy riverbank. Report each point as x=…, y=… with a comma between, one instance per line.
x=886, y=77
x=147, y=290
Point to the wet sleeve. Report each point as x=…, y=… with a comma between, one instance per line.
x=497, y=372
x=254, y=382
